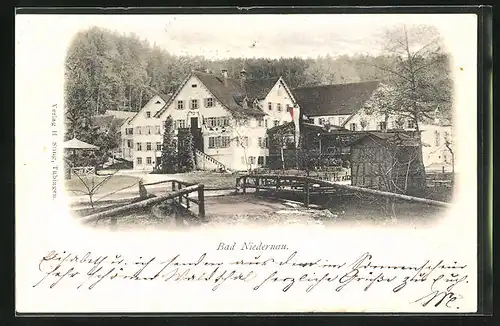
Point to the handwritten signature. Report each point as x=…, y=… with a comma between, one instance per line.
x=287, y=272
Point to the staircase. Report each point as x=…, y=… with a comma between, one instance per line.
x=207, y=162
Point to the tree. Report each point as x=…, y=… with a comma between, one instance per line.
x=418, y=73
x=169, y=156
x=383, y=104
x=107, y=139
x=186, y=152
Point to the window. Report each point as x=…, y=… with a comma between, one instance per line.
x=225, y=141
x=148, y=160
x=352, y=127
x=251, y=159
x=148, y=146
x=138, y=130
x=129, y=131
x=193, y=104
x=276, y=123
x=341, y=120
x=321, y=121
x=260, y=141
x=211, y=122
x=411, y=124
x=260, y=121
x=265, y=123
x=139, y=160
x=158, y=146
x=209, y=102
x=148, y=130
x=157, y=130
x=270, y=106
x=266, y=142
x=180, y=124
x=148, y=114
x=219, y=142
x=437, y=138
x=278, y=107
x=129, y=144
x=139, y=147
x=382, y=125
x=180, y=105
x=194, y=85
x=288, y=108
x=260, y=160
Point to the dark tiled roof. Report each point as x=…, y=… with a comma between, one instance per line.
x=340, y=99
x=165, y=97
x=107, y=121
x=402, y=139
x=230, y=95
x=259, y=88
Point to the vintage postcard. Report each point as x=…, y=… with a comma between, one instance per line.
x=229, y=163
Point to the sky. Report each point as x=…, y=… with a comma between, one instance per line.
x=273, y=36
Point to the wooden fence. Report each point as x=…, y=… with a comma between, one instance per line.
x=182, y=196
x=308, y=186
x=179, y=194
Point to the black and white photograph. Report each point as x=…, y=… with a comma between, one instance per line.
x=246, y=146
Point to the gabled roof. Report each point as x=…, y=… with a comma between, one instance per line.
x=397, y=138
x=259, y=88
x=230, y=94
x=164, y=97
x=108, y=121
x=339, y=99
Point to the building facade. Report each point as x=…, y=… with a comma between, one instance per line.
x=227, y=117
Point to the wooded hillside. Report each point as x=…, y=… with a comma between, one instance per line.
x=106, y=70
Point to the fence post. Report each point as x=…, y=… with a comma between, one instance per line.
x=277, y=183
x=257, y=183
x=180, y=197
x=201, y=201
x=306, y=193
x=244, y=185
x=187, y=201
x=143, y=193
x=237, y=188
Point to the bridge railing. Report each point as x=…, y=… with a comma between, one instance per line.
x=310, y=186
x=182, y=198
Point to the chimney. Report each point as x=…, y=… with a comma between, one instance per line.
x=243, y=77
x=224, y=74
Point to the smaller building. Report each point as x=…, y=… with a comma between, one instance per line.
x=388, y=162
x=437, y=147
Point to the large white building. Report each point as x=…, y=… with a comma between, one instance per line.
x=344, y=105
x=227, y=117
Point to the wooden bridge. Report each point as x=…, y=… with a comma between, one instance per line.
x=179, y=195
x=307, y=187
